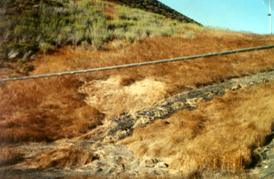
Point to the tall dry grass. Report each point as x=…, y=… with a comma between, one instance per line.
x=50, y=109
x=219, y=136
x=128, y=96
x=44, y=110
x=173, y=77
x=9, y=156
x=64, y=157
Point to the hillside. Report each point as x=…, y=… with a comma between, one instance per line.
x=156, y=7
x=204, y=118
x=30, y=27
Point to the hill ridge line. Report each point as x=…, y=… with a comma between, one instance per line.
x=158, y=7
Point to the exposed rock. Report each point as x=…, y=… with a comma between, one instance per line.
x=265, y=165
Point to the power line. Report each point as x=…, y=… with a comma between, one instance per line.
x=115, y=67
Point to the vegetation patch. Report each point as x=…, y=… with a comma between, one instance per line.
x=46, y=25
x=39, y=25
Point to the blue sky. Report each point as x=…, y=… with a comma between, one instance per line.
x=238, y=15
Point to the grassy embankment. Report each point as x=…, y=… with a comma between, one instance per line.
x=47, y=102
x=220, y=135
x=51, y=109
x=120, y=24
x=32, y=26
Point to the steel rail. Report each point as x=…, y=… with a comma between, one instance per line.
x=139, y=64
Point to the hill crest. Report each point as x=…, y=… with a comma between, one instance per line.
x=156, y=6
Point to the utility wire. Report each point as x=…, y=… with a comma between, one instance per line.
x=139, y=64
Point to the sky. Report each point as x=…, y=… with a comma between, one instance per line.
x=237, y=15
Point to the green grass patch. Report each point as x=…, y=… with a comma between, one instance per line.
x=40, y=26
x=43, y=26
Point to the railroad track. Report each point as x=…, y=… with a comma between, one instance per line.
x=139, y=64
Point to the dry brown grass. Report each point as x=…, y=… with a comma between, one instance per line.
x=44, y=110
x=191, y=74
x=66, y=157
x=128, y=95
x=50, y=109
x=220, y=135
x=9, y=156
x=173, y=77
